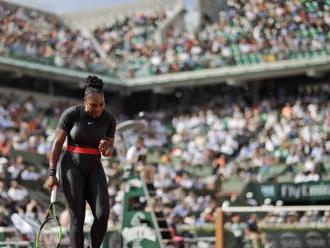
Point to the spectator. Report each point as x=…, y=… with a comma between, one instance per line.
x=17, y=193
x=30, y=174
x=16, y=167
x=137, y=154
x=3, y=191
x=253, y=231
x=37, y=36
x=248, y=32
x=238, y=229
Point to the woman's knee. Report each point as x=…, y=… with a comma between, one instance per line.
x=102, y=215
x=77, y=218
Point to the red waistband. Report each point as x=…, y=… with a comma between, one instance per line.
x=83, y=150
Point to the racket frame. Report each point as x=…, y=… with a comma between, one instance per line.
x=51, y=214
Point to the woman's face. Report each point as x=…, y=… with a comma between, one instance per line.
x=94, y=104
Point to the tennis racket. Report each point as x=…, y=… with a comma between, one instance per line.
x=50, y=232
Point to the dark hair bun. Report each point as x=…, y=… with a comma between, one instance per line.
x=94, y=82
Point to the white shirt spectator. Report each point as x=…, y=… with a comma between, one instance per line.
x=118, y=208
x=31, y=175
x=309, y=165
x=313, y=177
x=14, y=171
x=133, y=153
x=17, y=193
x=300, y=178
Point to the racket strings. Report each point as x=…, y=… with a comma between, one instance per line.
x=50, y=234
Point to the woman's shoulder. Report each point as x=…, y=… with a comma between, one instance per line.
x=109, y=115
x=71, y=111
x=74, y=108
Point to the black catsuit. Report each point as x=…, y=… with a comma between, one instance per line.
x=82, y=176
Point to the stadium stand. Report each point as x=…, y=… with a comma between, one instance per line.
x=194, y=155
x=261, y=31
x=201, y=152
x=125, y=40
x=256, y=33
x=33, y=35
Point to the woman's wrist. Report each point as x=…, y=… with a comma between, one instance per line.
x=52, y=172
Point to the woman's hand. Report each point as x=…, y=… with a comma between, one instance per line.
x=105, y=148
x=51, y=182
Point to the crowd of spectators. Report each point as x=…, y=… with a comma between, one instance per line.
x=188, y=156
x=127, y=40
x=235, y=140
x=296, y=134
x=37, y=36
x=298, y=218
x=27, y=127
x=247, y=32
x=247, y=231
x=200, y=138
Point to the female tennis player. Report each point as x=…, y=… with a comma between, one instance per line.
x=90, y=131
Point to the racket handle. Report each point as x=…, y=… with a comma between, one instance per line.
x=53, y=194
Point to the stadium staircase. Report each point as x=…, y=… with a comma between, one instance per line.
x=159, y=213
x=89, y=35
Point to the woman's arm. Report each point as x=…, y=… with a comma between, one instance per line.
x=60, y=137
x=57, y=148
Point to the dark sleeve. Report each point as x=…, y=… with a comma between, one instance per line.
x=67, y=119
x=112, y=127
